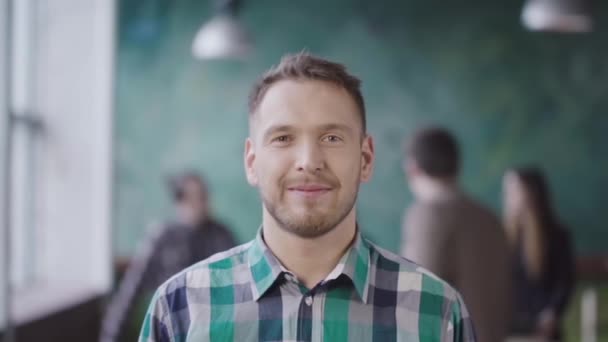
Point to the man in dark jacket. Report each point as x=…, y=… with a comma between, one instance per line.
x=194, y=236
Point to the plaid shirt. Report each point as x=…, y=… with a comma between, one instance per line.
x=244, y=294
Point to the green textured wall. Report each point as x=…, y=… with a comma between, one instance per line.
x=511, y=96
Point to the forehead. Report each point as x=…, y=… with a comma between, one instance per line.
x=306, y=102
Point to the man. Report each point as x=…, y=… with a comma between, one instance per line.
x=453, y=236
x=308, y=275
x=193, y=237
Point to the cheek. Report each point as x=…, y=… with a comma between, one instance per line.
x=270, y=171
x=346, y=166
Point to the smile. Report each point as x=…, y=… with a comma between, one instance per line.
x=309, y=190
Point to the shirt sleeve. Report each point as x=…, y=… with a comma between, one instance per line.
x=156, y=327
x=460, y=326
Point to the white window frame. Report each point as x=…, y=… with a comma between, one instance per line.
x=66, y=86
x=4, y=146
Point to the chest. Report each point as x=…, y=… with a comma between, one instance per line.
x=287, y=314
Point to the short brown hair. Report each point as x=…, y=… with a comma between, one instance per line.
x=435, y=150
x=308, y=67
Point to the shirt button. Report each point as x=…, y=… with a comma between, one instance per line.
x=308, y=300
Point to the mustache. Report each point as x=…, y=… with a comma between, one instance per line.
x=324, y=180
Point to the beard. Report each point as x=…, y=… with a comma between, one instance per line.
x=314, y=219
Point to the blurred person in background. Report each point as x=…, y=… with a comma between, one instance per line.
x=542, y=256
x=452, y=235
x=193, y=236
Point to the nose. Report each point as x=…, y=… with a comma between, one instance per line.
x=310, y=158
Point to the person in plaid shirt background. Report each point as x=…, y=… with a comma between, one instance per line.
x=308, y=275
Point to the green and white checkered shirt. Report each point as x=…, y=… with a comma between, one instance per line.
x=244, y=294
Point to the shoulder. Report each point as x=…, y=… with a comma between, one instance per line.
x=408, y=275
x=419, y=207
x=428, y=221
x=213, y=223
x=420, y=213
x=193, y=287
x=215, y=271
x=158, y=230
x=480, y=210
x=417, y=292
x=157, y=234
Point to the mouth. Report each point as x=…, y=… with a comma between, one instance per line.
x=309, y=190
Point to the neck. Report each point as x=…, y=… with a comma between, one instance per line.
x=427, y=189
x=310, y=259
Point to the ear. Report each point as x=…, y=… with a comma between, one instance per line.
x=249, y=159
x=367, y=158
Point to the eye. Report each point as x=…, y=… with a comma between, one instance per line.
x=331, y=138
x=282, y=139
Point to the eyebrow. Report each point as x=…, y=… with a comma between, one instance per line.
x=336, y=127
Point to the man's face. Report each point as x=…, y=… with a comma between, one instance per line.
x=194, y=206
x=514, y=198
x=307, y=154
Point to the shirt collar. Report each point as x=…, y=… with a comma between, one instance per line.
x=265, y=267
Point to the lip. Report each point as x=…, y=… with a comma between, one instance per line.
x=309, y=187
x=309, y=190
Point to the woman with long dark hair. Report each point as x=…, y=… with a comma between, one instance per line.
x=543, y=263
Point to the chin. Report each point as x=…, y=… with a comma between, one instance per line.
x=308, y=225
x=310, y=232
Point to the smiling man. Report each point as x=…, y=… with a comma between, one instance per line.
x=309, y=275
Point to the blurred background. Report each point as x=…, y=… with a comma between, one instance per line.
x=101, y=100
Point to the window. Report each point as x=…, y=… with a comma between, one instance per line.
x=24, y=135
x=3, y=161
x=58, y=124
